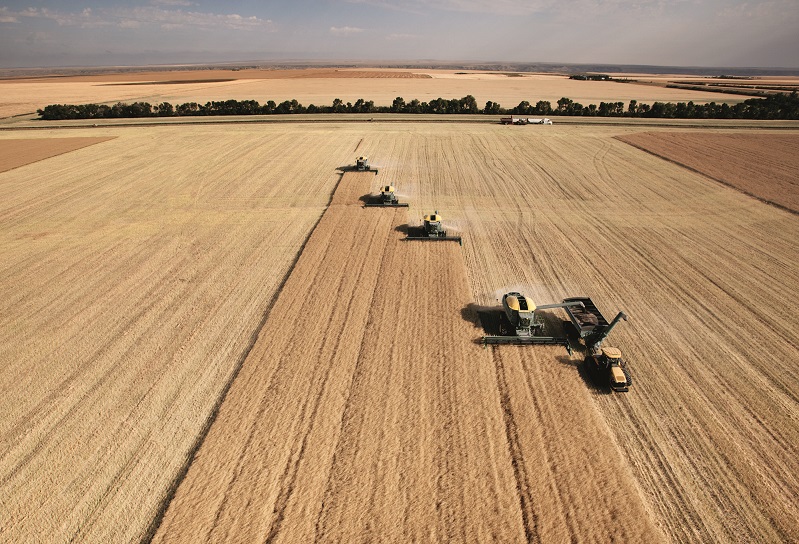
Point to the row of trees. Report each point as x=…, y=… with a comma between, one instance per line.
x=776, y=106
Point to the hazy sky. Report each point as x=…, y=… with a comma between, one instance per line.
x=735, y=33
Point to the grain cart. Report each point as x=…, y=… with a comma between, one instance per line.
x=603, y=364
x=433, y=230
x=388, y=197
x=520, y=325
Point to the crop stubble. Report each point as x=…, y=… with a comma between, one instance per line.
x=133, y=273
x=390, y=423
x=762, y=165
x=708, y=431
x=707, y=276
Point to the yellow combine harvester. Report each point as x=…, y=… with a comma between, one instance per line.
x=387, y=198
x=362, y=165
x=520, y=325
x=433, y=230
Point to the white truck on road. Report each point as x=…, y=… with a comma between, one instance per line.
x=525, y=121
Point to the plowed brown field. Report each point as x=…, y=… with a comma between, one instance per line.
x=138, y=277
x=761, y=165
x=15, y=153
x=366, y=412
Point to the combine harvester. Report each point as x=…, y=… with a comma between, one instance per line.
x=521, y=326
x=387, y=198
x=434, y=231
x=602, y=364
x=362, y=165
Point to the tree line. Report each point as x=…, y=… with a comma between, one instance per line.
x=776, y=106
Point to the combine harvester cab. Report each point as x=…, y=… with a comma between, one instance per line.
x=362, y=165
x=433, y=230
x=525, y=327
x=603, y=364
x=387, y=198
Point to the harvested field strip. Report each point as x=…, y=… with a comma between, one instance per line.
x=764, y=166
x=16, y=153
x=133, y=276
x=422, y=454
x=293, y=383
x=574, y=484
x=388, y=422
x=707, y=275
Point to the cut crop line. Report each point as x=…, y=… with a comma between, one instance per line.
x=181, y=474
x=529, y=517
x=348, y=405
x=708, y=176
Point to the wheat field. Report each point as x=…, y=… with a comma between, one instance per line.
x=322, y=86
x=144, y=273
x=761, y=165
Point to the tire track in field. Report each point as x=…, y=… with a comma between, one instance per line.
x=283, y=374
x=422, y=454
x=181, y=474
x=529, y=516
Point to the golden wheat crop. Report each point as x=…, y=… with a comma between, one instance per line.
x=136, y=277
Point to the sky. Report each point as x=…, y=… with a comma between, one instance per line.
x=719, y=33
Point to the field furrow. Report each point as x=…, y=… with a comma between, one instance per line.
x=130, y=288
x=412, y=432
x=153, y=345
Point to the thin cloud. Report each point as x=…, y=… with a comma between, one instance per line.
x=510, y=7
x=344, y=30
x=184, y=3
x=141, y=16
x=401, y=37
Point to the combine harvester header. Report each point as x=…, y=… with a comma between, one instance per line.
x=387, y=198
x=433, y=230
